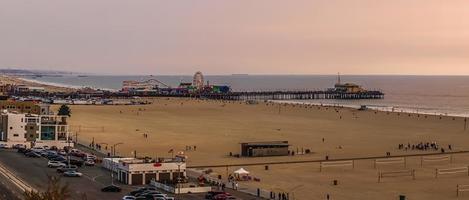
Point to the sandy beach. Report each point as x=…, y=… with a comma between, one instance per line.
x=12, y=80
x=216, y=128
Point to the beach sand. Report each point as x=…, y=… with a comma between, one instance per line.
x=217, y=128
x=4, y=80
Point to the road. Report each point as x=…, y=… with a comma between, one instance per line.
x=35, y=172
x=8, y=191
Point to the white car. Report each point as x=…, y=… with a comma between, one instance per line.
x=91, y=157
x=37, y=149
x=89, y=163
x=4, y=146
x=55, y=164
x=128, y=198
x=73, y=174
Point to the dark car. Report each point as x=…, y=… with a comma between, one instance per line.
x=59, y=159
x=22, y=150
x=76, y=162
x=32, y=154
x=111, y=188
x=212, y=194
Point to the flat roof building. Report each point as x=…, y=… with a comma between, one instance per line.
x=134, y=171
x=261, y=149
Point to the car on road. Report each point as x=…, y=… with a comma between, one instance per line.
x=111, y=188
x=32, y=154
x=212, y=194
x=4, y=146
x=72, y=174
x=55, y=164
x=67, y=168
x=143, y=190
x=223, y=197
x=129, y=198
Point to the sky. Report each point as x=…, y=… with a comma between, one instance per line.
x=419, y=37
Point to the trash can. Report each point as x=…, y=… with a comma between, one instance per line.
x=335, y=182
x=401, y=197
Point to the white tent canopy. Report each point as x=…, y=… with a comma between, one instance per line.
x=241, y=171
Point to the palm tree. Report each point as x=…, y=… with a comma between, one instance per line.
x=64, y=110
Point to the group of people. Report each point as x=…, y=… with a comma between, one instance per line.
x=191, y=148
x=97, y=146
x=423, y=146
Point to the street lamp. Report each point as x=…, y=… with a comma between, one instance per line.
x=113, y=153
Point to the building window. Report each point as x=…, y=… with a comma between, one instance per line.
x=15, y=135
x=11, y=127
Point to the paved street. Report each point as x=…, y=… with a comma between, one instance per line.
x=35, y=172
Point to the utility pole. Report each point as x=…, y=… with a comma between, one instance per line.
x=113, y=153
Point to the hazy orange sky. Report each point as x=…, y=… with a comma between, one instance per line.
x=237, y=36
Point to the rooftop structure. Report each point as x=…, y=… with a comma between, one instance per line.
x=347, y=87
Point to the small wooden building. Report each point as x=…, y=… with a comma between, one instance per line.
x=261, y=149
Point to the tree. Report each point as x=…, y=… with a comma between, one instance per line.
x=64, y=110
x=55, y=191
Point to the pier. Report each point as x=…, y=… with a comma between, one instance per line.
x=294, y=95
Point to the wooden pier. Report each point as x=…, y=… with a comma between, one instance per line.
x=294, y=95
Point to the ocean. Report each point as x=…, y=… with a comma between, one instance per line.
x=445, y=95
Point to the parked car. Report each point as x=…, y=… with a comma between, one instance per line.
x=32, y=154
x=59, y=159
x=55, y=164
x=62, y=152
x=67, y=168
x=89, y=163
x=128, y=198
x=91, y=157
x=111, y=188
x=23, y=150
x=4, y=146
x=76, y=162
x=37, y=149
x=72, y=174
x=19, y=146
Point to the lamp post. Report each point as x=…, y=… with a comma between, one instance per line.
x=179, y=178
x=113, y=153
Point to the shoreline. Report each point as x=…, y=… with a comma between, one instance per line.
x=381, y=108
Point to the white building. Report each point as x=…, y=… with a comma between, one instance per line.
x=33, y=130
x=133, y=171
x=13, y=129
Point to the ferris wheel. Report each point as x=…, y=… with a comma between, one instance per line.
x=198, y=80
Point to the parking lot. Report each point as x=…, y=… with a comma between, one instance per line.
x=35, y=172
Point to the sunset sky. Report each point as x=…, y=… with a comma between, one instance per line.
x=428, y=37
